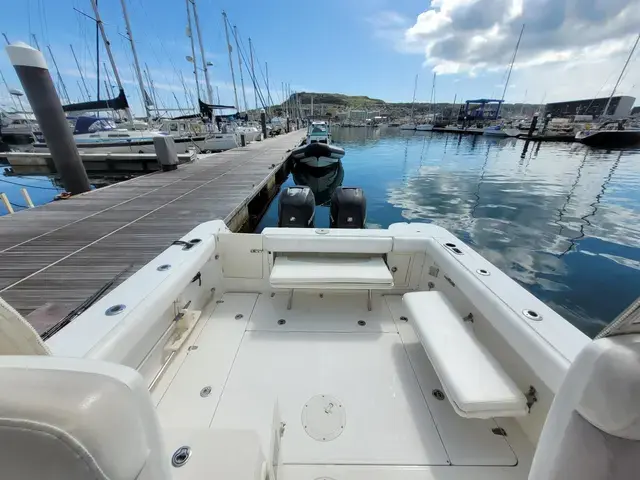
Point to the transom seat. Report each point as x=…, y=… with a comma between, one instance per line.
x=473, y=380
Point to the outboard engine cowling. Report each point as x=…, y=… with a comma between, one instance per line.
x=348, y=208
x=296, y=207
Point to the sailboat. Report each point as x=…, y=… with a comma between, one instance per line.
x=411, y=124
x=612, y=133
x=427, y=127
x=303, y=353
x=502, y=130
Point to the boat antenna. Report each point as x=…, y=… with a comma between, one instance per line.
x=513, y=59
x=606, y=107
x=230, y=49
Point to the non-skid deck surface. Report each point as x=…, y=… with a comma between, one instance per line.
x=261, y=370
x=65, y=251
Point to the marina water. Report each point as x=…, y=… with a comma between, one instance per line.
x=561, y=219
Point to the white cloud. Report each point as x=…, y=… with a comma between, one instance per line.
x=570, y=48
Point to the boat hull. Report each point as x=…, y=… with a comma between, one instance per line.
x=610, y=139
x=317, y=155
x=502, y=133
x=215, y=142
x=426, y=127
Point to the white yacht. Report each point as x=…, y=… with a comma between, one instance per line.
x=98, y=135
x=501, y=131
x=308, y=354
x=424, y=127
x=408, y=126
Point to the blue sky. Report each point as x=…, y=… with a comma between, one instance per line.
x=372, y=47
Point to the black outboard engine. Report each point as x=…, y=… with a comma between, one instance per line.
x=296, y=207
x=348, y=208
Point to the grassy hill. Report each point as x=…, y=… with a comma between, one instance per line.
x=339, y=100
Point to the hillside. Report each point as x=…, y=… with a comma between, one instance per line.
x=338, y=99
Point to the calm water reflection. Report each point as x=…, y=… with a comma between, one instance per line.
x=561, y=219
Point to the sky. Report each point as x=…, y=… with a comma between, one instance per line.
x=570, y=49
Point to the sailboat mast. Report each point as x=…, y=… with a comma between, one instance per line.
x=413, y=101
x=269, y=100
x=193, y=52
x=97, y=60
x=63, y=87
x=13, y=100
x=107, y=45
x=253, y=75
x=513, y=59
x=229, y=48
x=244, y=94
x=136, y=64
x=613, y=92
x=204, y=62
x=84, y=84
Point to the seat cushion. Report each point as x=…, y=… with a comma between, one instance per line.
x=473, y=380
x=330, y=272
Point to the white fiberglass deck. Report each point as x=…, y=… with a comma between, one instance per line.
x=378, y=417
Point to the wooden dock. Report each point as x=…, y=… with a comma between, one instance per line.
x=53, y=257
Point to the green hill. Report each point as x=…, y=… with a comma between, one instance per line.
x=338, y=99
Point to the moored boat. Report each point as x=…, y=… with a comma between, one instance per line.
x=500, y=131
x=317, y=154
x=611, y=134
x=317, y=150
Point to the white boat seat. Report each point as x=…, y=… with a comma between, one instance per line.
x=473, y=381
x=77, y=419
x=295, y=272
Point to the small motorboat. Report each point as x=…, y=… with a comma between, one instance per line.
x=316, y=150
x=610, y=134
x=424, y=127
x=408, y=126
x=317, y=154
x=501, y=131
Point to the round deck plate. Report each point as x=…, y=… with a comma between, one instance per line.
x=323, y=418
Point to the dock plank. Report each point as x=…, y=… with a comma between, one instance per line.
x=62, y=252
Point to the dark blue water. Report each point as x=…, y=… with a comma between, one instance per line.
x=562, y=220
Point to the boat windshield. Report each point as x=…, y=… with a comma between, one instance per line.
x=318, y=129
x=102, y=125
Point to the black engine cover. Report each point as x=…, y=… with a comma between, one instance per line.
x=296, y=207
x=348, y=208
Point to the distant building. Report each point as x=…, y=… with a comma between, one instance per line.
x=619, y=107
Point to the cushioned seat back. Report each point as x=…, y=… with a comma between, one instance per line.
x=73, y=419
x=592, y=431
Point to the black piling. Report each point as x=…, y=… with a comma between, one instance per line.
x=263, y=122
x=33, y=73
x=534, y=124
